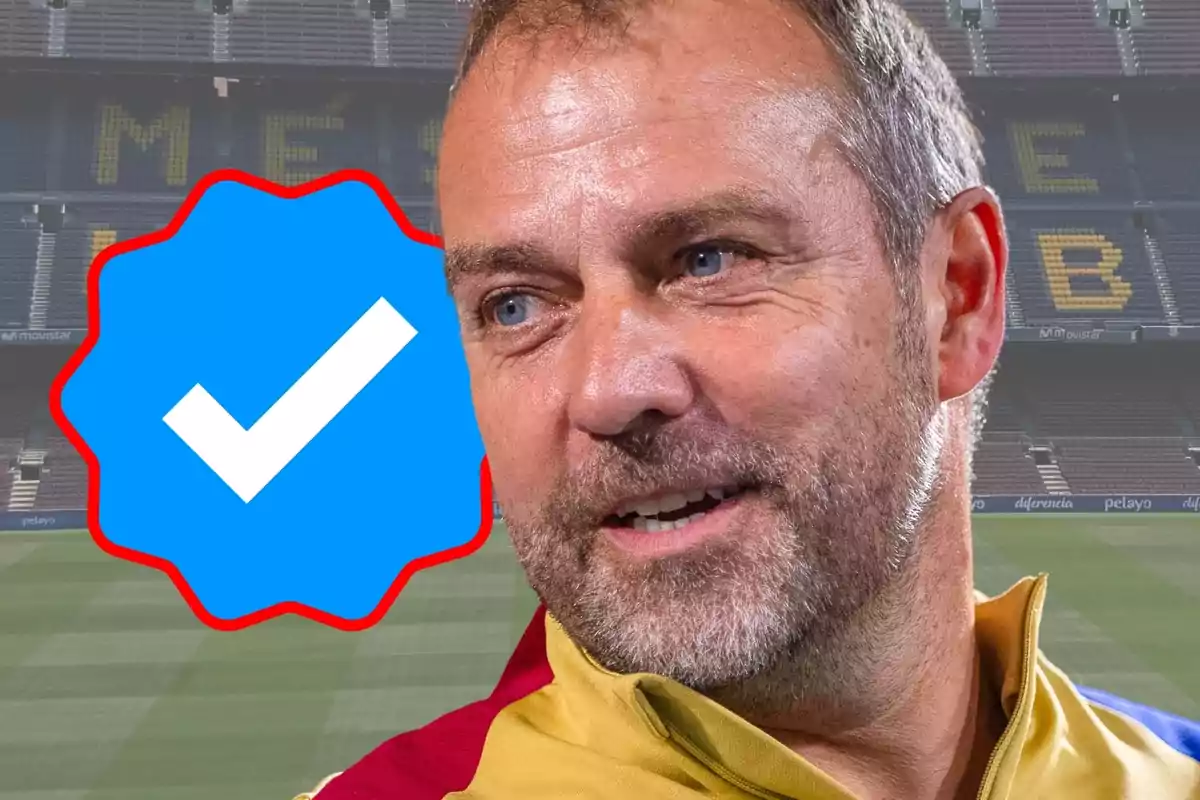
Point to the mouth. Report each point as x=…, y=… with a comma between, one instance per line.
x=668, y=511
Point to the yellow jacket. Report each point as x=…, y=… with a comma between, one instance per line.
x=560, y=727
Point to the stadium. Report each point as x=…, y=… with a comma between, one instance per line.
x=1089, y=465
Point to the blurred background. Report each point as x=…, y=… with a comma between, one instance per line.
x=111, y=109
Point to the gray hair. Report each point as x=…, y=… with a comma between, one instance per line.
x=902, y=123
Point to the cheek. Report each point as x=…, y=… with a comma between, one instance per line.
x=517, y=416
x=787, y=371
x=794, y=382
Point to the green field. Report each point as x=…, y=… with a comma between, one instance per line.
x=111, y=690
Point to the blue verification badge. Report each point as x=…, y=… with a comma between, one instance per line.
x=274, y=404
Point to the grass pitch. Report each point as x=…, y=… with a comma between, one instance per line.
x=111, y=690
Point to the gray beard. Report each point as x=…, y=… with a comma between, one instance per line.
x=802, y=613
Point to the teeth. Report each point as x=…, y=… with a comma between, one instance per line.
x=674, y=502
x=647, y=509
x=651, y=525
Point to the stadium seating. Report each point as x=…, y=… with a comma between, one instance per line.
x=1088, y=390
x=23, y=125
x=1147, y=465
x=18, y=251
x=1005, y=467
x=1080, y=167
x=1027, y=37
x=312, y=32
x=294, y=137
x=1162, y=136
x=88, y=230
x=9, y=447
x=1097, y=406
x=420, y=33
x=17, y=408
x=1189, y=396
x=1033, y=37
x=430, y=35
x=1106, y=436
x=1003, y=412
x=947, y=35
x=147, y=30
x=1053, y=148
x=1179, y=238
x=144, y=137
x=23, y=28
x=1166, y=42
x=64, y=478
x=91, y=227
x=8, y=451
x=1082, y=267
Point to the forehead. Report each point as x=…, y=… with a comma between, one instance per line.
x=695, y=97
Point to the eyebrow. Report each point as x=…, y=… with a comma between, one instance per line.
x=464, y=261
x=642, y=235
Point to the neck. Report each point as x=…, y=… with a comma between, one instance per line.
x=930, y=739
x=923, y=721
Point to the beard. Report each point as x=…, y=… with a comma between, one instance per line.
x=787, y=612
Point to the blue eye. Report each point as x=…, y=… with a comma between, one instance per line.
x=511, y=309
x=706, y=260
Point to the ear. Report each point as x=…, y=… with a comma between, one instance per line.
x=965, y=294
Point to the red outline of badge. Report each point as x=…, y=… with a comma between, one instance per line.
x=93, y=466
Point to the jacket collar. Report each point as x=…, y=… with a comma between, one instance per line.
x=1007, y=634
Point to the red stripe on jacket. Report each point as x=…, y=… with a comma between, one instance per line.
x=440, y=758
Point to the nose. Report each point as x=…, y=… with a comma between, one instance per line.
x=629, y=373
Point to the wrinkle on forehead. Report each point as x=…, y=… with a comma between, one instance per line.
x=606, y=149
x=571, y=100
x=667, y=53
x=560, y=136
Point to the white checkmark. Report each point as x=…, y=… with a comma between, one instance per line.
x=248, y=460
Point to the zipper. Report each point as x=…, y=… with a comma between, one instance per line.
x=1024, y=698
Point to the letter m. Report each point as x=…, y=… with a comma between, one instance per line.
x=116, y=124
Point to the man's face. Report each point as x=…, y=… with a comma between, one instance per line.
x=705, y=410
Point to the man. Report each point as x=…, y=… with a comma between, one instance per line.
x=731, y=293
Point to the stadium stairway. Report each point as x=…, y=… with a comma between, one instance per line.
x=22, y=495
x=9, y=448
x=1179, y=239
x=1048, y=468
x=1158, y=268
x=43, y=270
